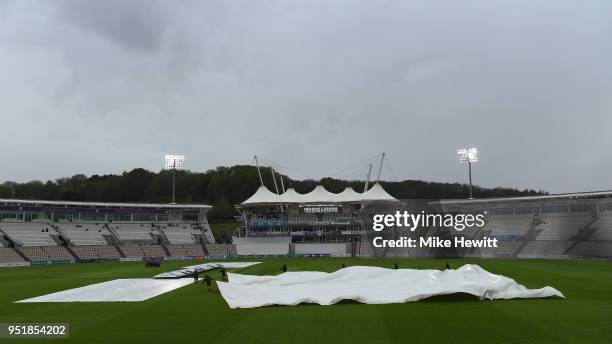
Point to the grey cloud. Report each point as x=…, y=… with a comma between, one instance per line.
x=99, y=86
x=134, y=25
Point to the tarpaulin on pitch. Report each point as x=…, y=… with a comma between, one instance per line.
x=134, y=289
x=126, y=290
x=372, y=285
x=190, y=270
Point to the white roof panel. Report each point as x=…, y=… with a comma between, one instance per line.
x=377, y=193
x=348, y=196
x=319, y=196
x=291, y=196
x=263, y=196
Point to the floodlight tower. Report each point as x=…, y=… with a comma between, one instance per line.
x=174, y=161
x=468, y=155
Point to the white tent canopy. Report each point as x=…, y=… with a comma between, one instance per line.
x=319, y=195
x=289, y=196
x=347, y=195
x=377, y=193
x=263, y=196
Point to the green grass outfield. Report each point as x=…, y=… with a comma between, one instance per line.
x=193, y=315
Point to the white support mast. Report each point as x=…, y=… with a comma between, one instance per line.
x=367, y=183
x=258, y=171
x=380, y=168
x=275, y=185
x=274, y=179
x=281, y=180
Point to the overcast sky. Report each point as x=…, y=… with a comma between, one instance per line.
x=317, y=87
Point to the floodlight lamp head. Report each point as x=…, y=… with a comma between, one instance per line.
x=174, y=161
x=468, y=155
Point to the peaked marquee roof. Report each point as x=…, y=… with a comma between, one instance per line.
x=319, y=195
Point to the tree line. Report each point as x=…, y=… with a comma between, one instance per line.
x=221, y=187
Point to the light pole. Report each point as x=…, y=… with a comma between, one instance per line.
x=174, y=161
x=468, y=155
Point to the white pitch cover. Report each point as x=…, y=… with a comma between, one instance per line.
x=372, y=285
x=189, y=270
x=133, y=289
